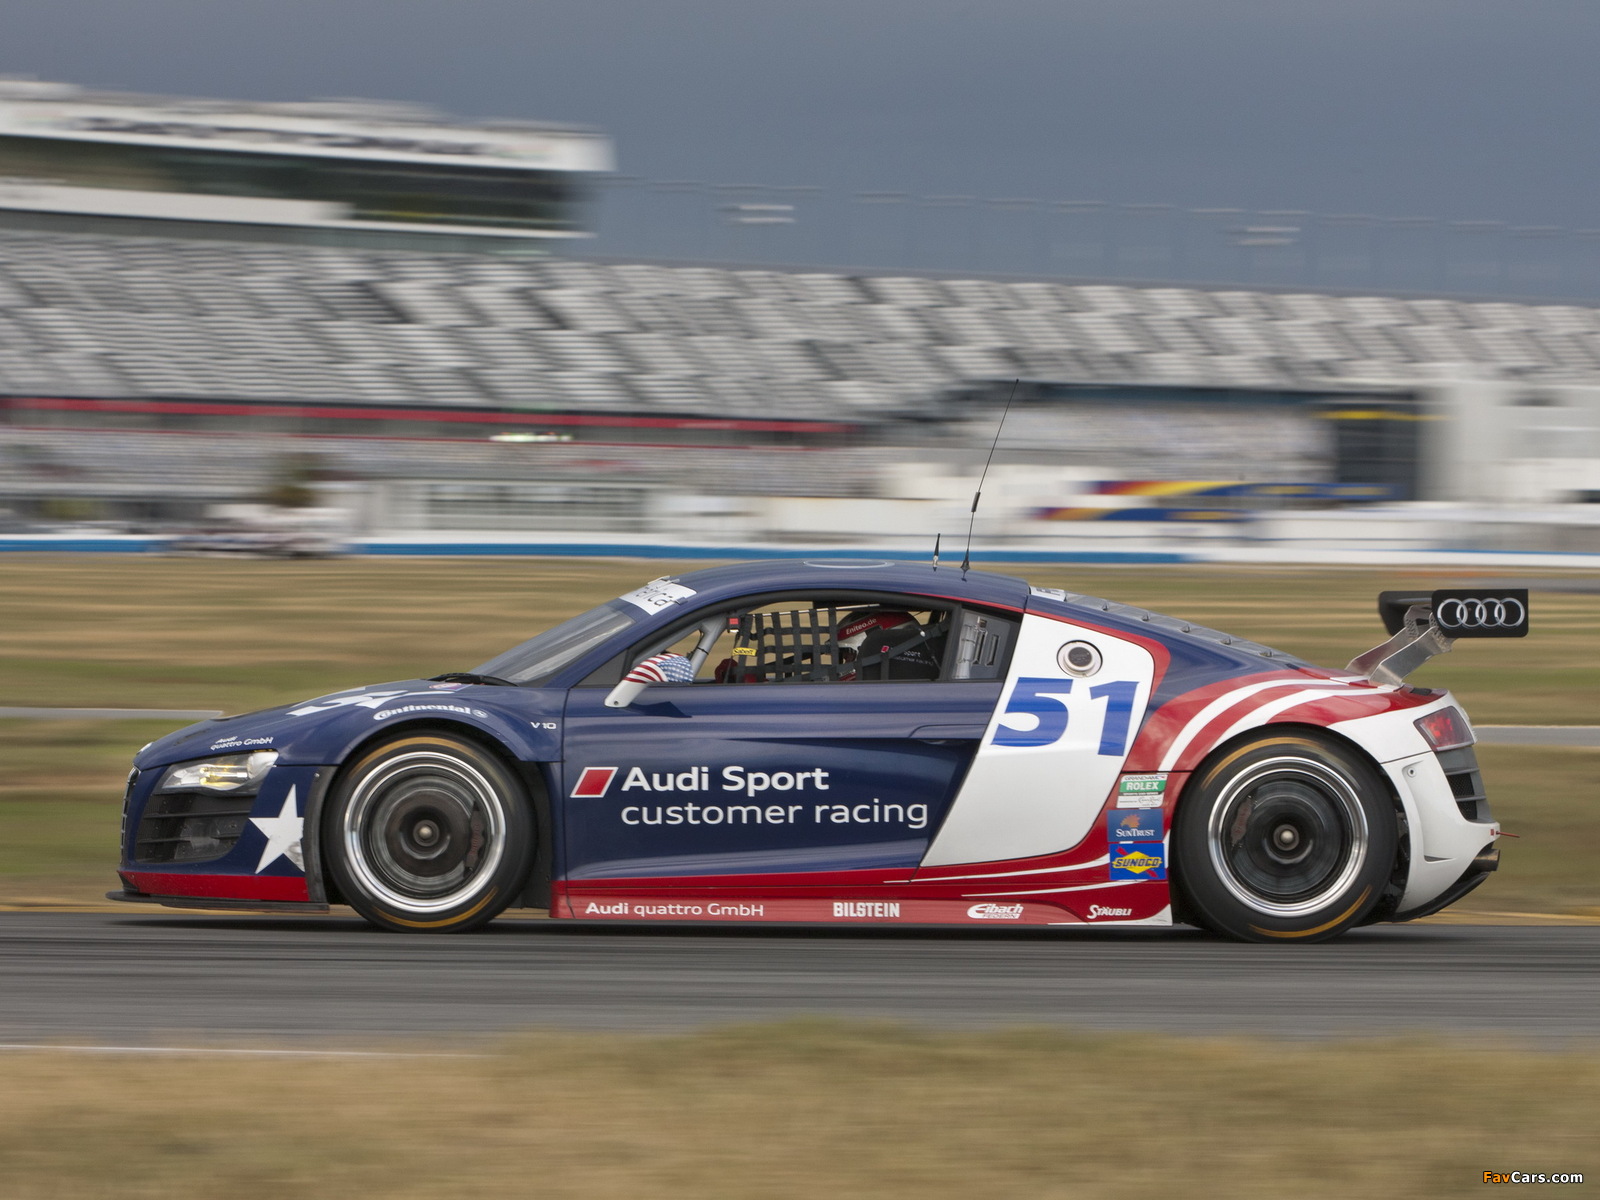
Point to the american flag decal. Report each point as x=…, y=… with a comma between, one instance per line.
x=662, y=668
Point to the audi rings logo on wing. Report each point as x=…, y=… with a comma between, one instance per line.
x=1482, y=614
x=1499, y=613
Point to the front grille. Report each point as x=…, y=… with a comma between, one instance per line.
x=127, y=799
x=186, y=827
x=1466, y=783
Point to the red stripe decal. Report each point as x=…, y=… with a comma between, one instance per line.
x=1168, y=721
x=222, y=887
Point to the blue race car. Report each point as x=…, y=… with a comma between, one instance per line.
x=849, y=741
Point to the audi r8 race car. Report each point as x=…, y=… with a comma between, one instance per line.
x=849, y=741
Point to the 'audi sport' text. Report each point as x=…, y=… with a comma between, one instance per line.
x=595, y=782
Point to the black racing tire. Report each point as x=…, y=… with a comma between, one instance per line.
x=1285, y=837
x=428, y=833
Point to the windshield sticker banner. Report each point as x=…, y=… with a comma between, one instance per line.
x=657, y=595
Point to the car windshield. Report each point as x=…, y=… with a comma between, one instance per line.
x=542, y=656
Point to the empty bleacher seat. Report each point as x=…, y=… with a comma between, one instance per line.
x=84, y=315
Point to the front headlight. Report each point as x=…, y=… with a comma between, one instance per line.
x=237, y=773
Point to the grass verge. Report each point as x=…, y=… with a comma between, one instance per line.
x=805, y=1109
x=1546, y=796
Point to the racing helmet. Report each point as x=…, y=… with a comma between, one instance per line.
x=855, y=629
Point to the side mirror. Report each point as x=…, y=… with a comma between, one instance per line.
x=626, y=692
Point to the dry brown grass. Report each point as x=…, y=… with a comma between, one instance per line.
x=148, y=632
x=804, y=1109
x=1547, y=797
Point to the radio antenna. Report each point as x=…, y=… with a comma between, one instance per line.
x=972, y=516
x=936, y=538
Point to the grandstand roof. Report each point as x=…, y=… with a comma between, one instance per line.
x=39, y=108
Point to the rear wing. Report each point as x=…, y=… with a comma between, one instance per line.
x=1423, y=624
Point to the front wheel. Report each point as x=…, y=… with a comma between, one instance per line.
x=1287, y=837
x=428, y=833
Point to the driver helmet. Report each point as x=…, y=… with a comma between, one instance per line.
x=855, y=630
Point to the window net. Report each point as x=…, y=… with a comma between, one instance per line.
x=799, y=645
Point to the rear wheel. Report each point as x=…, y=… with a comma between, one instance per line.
x=428, y=833
x=1287, y=837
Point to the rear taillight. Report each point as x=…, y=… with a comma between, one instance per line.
x=1445, y=729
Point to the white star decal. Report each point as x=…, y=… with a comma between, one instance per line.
x=283, y=835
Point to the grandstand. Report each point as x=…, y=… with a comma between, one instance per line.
x=207, y=300
x=106, y=318
x=104, y=321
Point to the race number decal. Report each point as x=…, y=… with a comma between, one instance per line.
x=1037, y=713
x=1052, y=752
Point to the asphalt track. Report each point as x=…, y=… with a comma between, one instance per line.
x=157, y=977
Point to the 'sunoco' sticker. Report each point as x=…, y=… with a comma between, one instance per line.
x=1139, y=860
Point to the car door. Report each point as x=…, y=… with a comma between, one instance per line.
x=696, y=782
x=1074, y=699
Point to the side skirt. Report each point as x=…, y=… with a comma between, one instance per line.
x=193, y=902
x=1107, y=904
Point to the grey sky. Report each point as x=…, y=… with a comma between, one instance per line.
x=1455, y=108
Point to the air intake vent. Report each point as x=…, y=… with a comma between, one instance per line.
x=127, y=798
x=186, y=827
x=1466, y=783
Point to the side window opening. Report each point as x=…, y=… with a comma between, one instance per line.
x=703, y=644
x=823, y=640
x=785, y=646
x=696, y=644
x=830, y=643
